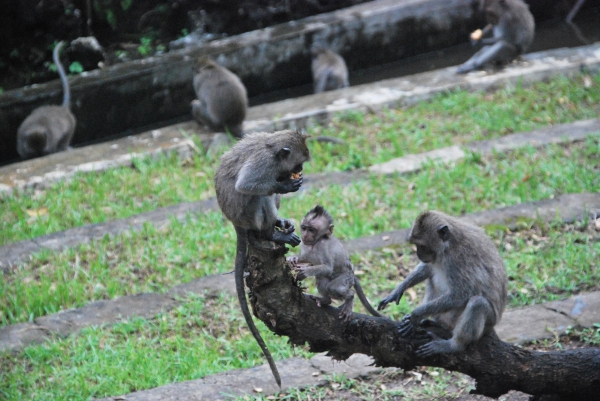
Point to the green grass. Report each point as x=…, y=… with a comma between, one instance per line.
x=198, y=338
x=207, y=335
x=156, y=259
x=452, y=118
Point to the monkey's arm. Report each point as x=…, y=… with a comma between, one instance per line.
x=439, y=305
x=419, y=274
x=249, y=182
x=313, y=270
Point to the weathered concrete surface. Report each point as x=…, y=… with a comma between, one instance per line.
x=106, y=312
x=567, y=208
x=12, y=253
x=307, y=110
x=583, y=310
x=303, y=111
x=17, y=336
x=295, y=372
x=157, y=89
x=532, y=323
x=44, y=171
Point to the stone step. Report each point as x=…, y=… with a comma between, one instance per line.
x=10, y=254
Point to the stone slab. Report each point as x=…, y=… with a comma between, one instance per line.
x=519, y=326
x=295, y=372
x=584, y=309
x=16, y=336
x=42, y=172
x=358, y=365
x=566, y=208
x=105, y=312
x=18, y=251
x=210, y=286
x=575, y=131
x=413, y=163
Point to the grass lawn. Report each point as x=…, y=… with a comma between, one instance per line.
x=207, y=335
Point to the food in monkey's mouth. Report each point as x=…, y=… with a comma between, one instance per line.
x=476, y=35
x=295, y=176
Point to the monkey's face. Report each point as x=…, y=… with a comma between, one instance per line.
x=426, y=254
x=314, y=229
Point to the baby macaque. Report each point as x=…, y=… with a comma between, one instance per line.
x=323, y=256
x=512, y=27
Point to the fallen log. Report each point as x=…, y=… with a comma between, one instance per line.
x=498, y=367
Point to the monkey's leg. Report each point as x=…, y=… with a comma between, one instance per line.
x=200, y=113
x=341, y=288
x=477, y=315
x=322, y=284
x=501, y=51
x=419, y=274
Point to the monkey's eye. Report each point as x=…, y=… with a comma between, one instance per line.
x=303, y=227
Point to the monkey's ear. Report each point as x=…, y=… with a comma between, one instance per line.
x=331, y=228
x=283, y=153
x=444, y=232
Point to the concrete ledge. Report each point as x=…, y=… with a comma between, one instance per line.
x=301, y=112
x=157, y=89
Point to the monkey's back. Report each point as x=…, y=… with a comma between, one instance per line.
x=329, y=71
x=329, y=251
x=58, y=122
x=518, y=25
x=485, y=274
x=223, y=94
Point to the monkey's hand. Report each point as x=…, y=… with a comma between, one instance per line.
x=289, y=185
x=407, y=325
x=285, y=226
x=293, y=260
x=393, y=297
x=302, y=271
x=282, y=238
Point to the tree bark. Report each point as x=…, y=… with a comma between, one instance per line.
x=277, y=299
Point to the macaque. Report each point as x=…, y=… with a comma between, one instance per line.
x=48, y=129
x=222, y=100
x=249, y=182
x=466, y=283
x=323, y=256
x=512, y=27
x=329, y=70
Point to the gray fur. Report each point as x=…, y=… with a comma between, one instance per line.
x=329, y=70
x=222, y=99
x=48, y=129
x=466, y=288
x=323, y=256
x=512, y=27
x=248, y=182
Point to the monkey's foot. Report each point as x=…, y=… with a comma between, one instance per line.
x=345, y=314
x=320, y=301
x=406, y=326
x=434, y=347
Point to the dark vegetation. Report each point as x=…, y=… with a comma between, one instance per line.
x=128, y=29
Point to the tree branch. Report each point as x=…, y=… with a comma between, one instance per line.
x=496, y=366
